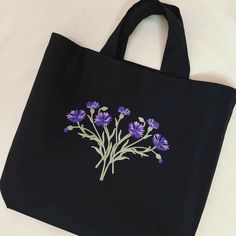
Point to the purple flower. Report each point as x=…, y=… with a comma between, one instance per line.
x=124, y=111
x=160, y=142
x=153, y=123
x=136, y=129
x=103, y=119
x=76, y=116
x=92, y=105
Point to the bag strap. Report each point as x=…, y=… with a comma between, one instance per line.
x=175, y=60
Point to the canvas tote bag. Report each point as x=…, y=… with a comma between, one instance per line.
x=107, y=147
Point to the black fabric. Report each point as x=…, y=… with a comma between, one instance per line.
x=50, y=172
x=175, y=59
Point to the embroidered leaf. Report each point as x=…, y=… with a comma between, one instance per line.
x=141, y=153
x=141, y=119
x=121, y=158
x=113, y=133
x=125, y=144
x=95, y=139
x=147, y=149
x=109, y=148
x=97, y=150
x=103, y=108
x=83, y=135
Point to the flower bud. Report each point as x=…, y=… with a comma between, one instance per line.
x=70, y=127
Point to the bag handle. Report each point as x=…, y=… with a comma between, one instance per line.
x=175, y=60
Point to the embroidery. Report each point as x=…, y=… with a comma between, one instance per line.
x=114, y=146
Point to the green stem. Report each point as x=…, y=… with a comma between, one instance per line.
x=111, y=150
x=144, y=137
x=123, y=139
x=98, y=135
x=91, y=120
x=120, y=142
x=132, y=144
x=118, y=121
x=80, y=127
x=108, y=135
x=98, y=164
x=113, y=167
x=151, y=150
x=103, y=169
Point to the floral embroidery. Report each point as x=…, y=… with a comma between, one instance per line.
x=136, y=129
x=92, y=105
x=124, y=110
x=153, y=124
x=160, y=142
x=114, y=146
x=76, y=116
x=103, y=119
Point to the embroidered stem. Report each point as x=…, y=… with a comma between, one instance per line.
x=91, y=120
x=98, y=164
x=124, y=148
x=138, y=141
x=104, y=168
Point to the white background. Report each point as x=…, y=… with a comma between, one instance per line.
x=25, y=28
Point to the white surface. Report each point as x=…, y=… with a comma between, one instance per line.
x=25, y=28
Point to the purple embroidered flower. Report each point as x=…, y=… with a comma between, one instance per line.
x=92, y=105
x=160, y=142
x=76, y=116
x=103, y=119
x=153, y=123
x=124, y=111
x=136, y=129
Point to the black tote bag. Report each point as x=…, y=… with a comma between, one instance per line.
x=107, y=147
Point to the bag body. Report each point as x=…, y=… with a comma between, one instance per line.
x=108, y=147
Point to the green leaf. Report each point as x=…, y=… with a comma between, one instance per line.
x=103, y=137
x=109, y=148
x=124, y=145
x=93, y=138
x=119, y=135
x=147, y=149
x=103, y=108
x=113, y=133
x=143, y=155
x=141, y=119
x=121, y=158
x=132, y=150
x=97, y=150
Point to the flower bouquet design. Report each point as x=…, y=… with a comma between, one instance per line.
x=115, y=146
